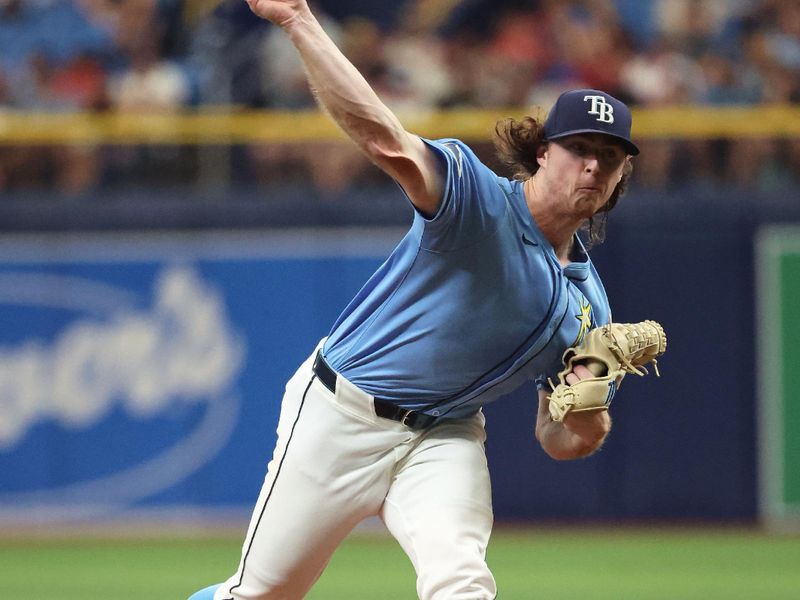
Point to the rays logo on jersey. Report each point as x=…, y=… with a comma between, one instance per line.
x=586, y=319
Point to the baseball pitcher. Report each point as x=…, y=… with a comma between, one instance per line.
x=490, y=287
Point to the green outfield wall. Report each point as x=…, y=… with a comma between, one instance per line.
x=779, y=332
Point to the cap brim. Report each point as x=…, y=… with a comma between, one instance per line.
x=629, y=146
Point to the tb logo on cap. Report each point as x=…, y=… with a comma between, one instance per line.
x=601, y=108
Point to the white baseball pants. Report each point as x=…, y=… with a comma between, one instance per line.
x=337, y=463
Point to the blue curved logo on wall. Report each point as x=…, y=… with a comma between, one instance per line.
x=110, y=395
x=141, y=374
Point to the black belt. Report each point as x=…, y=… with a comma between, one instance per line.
x=383, y=408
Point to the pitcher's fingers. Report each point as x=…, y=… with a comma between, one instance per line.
x=578, y=372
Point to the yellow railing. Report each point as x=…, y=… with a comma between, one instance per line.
x=214, y=126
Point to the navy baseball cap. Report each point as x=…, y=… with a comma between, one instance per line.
x=590, y=111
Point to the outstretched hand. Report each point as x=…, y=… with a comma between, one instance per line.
x=280, y=12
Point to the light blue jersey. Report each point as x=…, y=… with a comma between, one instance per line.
x=471, y=304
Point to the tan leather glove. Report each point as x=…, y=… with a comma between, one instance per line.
x=609, y=352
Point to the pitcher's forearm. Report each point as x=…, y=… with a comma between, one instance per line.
x=343, y=92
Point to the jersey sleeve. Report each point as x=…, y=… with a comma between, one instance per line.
x=473, y=203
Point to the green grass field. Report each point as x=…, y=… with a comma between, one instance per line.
x=552, y=564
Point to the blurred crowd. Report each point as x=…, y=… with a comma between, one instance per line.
x=165, y=55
